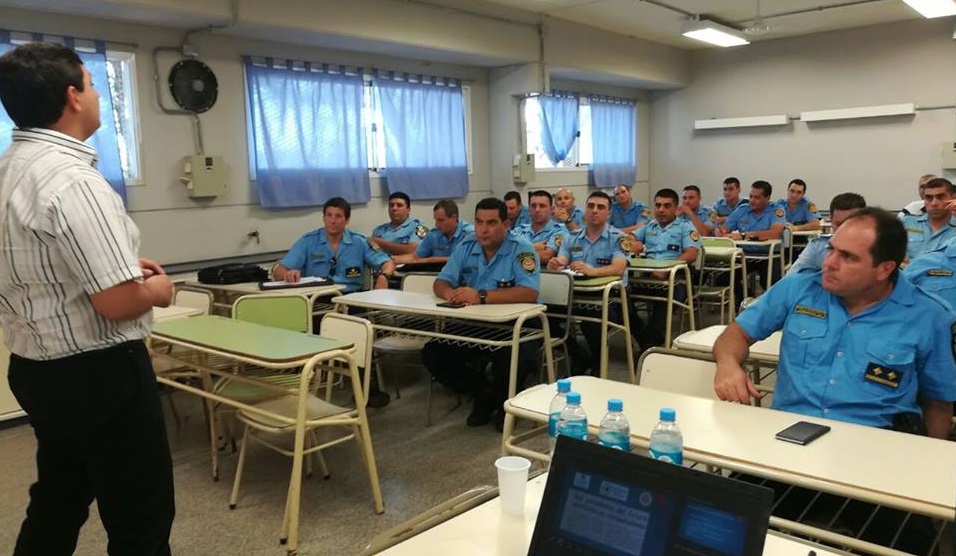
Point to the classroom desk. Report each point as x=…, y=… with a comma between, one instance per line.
x=224, y=295
x=800, y=239
x=764, y=351
x=173, y=312
x=485, y=531
x=417, y=314
x=586, y=292
x=640, y=268
x=851, y=460
x=774, y=251
x=263, y=346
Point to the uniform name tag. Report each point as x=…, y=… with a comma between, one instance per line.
x=317, y=257
x=882, y=375
x=810, y=311
x=939, y=272
x=914, y=230
x=576, y=249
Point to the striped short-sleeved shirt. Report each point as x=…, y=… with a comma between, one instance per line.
x=64, y=235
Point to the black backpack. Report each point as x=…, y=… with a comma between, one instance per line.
x=233, y=273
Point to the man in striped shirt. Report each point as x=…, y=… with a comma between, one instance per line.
x=75, y=304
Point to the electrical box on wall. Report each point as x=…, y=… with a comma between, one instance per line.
x=523, y=169
x=204, y=175
x=949, y=156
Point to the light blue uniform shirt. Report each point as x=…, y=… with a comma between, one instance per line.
x=861, y=369
x=435, y=244
x=577, y=216
x=524, y=217
x=744, y=220
x=514, y=264
x=412, y=230
x=811, y=258
x=637, y=213
x=545, y=234
x=611, y=245
x=934, y=272
x=805, y=212
x=920, y=238
x=723, y=208
x=703, y=214
x=312, y=255
x=667, y=242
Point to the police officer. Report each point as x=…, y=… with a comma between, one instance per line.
x=930, y=230
x=841, y=207
x=335, y=252
x=664, y=238
x=402, y=233
x=566, y=212
x=690, y=210
x=492, y=266
x=627, y=214
x=543, y=232
x=518, y=214
x=859, y=344
x=801, y=214
x=756, y=220
x=596, y=250
x=728, y=203
x=917, y=207
x=440, y=241
x=934, y=272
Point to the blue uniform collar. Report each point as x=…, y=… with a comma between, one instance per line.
x=324, y=238
x=950, y=249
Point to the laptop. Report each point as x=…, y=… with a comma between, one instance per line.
x=603, y=502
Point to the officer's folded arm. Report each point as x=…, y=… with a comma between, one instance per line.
x=130, y=300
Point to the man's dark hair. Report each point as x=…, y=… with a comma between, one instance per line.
x=34, y=78
x=936, y=183
x=449, y=207
x=890, y=242
x=402, y=196
x=600, y=195
x=731, y=180
x=493, y=203
x=542, y=193
x=513, y=196
x=800, y=182
x=340, y=203
x=693, y=188
x=668, y=193
x=847, y=201
x=763, y=186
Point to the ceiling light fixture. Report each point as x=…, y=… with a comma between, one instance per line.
x=713, y=33
x=933, y=8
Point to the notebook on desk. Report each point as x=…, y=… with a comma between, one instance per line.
x=420, y=267
x=603, y=502
x=304, y=282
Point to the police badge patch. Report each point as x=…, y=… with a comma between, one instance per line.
x=558, y=239
x=624, y=242
x=420, y=231
x=779, y=213
x=527, y=261
x=694, y=236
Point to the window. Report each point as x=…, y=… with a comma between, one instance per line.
x=581, y=153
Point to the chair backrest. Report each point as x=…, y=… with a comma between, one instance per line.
x=717, y=242
x=678, y=371
x=419, y=282
x=287, y=311
x=194, y=298
x=355, y=330
x=556, y=290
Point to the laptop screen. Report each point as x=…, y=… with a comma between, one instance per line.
x=606, y=502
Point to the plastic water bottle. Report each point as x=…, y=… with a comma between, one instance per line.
x=667, y=444
x=554, y=413
x=573, y=421
x=615, y=431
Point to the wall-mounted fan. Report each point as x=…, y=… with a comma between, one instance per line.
x=193, y=85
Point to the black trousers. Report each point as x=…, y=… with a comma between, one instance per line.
x=100, y=435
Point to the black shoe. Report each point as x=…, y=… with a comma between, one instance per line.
x=481, y=413
x=378, y=399
x=500, y=420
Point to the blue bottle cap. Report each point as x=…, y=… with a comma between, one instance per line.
x=615, y=404
x=574, y=397
x=564, y=385
x=668, y=414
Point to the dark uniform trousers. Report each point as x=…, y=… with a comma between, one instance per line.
x=100, y=435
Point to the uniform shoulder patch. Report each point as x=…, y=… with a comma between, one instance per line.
x=526, y=260
x=812, y=207
x=713, y=214
x=694, y=236
x=625, y=243
x=421, y=231
x=558, y=240
x=779, y=213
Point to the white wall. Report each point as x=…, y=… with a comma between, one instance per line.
x=880, y=158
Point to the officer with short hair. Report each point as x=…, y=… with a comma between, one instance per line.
x=934, y=272
x=730, y=201
x=841, y=207
x=566, y=211
x=440, y=241
x=542, y=231
x=756, y=220
x=799, y=211
x=402, y=233
x=627, y=214
x=929, y=230
x=518, y=214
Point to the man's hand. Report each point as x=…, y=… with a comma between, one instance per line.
x=684, y=209
x=732, y=384
x=660, y=275
x=951, y=206
x=150, y=268
x=561, y=214
x=293, y=276
x=556, y=264
x=160, y=289
x=637, y=247
x=381, y=282
x=580, y=266
x=466, y=295
x=736, y=236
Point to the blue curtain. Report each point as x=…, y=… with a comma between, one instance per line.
x=614, y=137
x=424, y=127
x=105, y=140
x=559, y=125
x=308, y=142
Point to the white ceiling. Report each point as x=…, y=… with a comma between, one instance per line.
x=652, y=22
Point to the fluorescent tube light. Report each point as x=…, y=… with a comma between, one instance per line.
x=751, y=121
x=713, y=33
x=860, y=112
x=933, y=8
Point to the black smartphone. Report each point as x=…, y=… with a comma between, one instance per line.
x=802, y=433
x=451, y=305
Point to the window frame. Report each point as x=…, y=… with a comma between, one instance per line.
x=576, y=148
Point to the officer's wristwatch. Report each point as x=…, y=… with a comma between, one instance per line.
x=482, y=296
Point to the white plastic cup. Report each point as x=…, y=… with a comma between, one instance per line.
x=512, y=483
